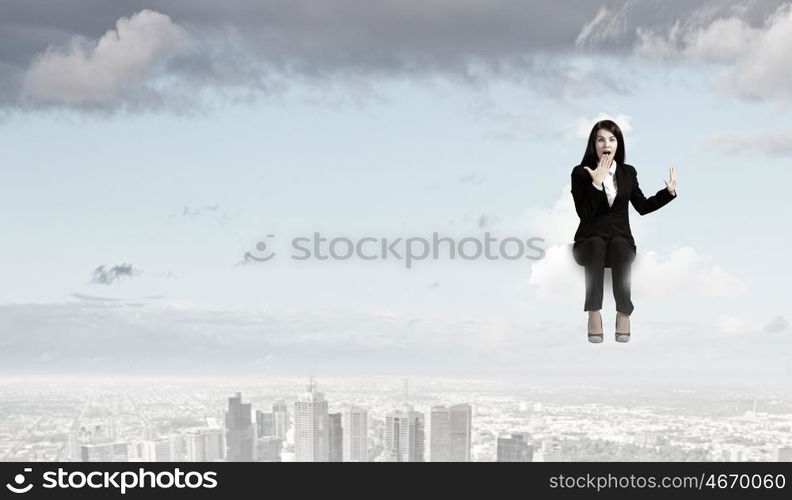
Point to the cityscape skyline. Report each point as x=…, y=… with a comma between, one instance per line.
x=190, y=420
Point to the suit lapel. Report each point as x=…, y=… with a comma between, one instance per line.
x=621, y=185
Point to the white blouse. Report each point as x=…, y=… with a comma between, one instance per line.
x=609, y=184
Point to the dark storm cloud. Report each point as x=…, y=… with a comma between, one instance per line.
x=246, y=48
x=242, y=47
x=107, y=275
x=349, y=31
x=370, y=34
x=615, y=25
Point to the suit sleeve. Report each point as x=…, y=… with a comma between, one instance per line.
x=588, y=199
x=646, y=205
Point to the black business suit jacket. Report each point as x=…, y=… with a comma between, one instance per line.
x=599, y=219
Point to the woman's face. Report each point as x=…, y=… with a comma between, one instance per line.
x=606, y=143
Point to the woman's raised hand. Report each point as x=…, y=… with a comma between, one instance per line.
x=598, y=174
x=671, y=182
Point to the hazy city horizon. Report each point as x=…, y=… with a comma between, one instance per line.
x=195, y=419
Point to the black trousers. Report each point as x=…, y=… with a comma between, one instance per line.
x=596, y=253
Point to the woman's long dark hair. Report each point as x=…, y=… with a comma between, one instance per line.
x=590, y=156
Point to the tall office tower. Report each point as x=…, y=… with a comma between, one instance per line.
x=264, y=424
x=204, y=445
x=516, y=448
x=449, y=433
x=194, y=450
x=106, y=452
x=268, y=449
x=280, y=419
x=74, y=443
x=404, y=436
x=355, y=423
x=335, y=438
x=159, y=450
x=240, y=432
x=310, y=426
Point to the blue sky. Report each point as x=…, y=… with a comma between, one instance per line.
x=98, y=175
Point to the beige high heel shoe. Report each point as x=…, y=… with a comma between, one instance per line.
x=624, y=334
x=596, y=337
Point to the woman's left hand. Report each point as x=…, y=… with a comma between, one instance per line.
x=671, y=182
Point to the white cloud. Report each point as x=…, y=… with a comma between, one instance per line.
x=557, y=276
x=588, y=29
x=606, y=26
x=777, y=324
x=772, y=143
x=684, y=272
x=756, y=58
x=653, y=43
x=98, y=71
x=582, y=126
x=768, y=68
x=723, y=40
x=556, y=225
x=681, y=274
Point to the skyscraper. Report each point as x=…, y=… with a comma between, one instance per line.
x=264, y=424
x=355, y=423
x=516, y=448
x=280, y=419
x=74, y=442
x=268, y=449
x=311, y=426
x=449, y=433
x=404, y=436
x=335, y=438
x=240, y=433
x=204, y=444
